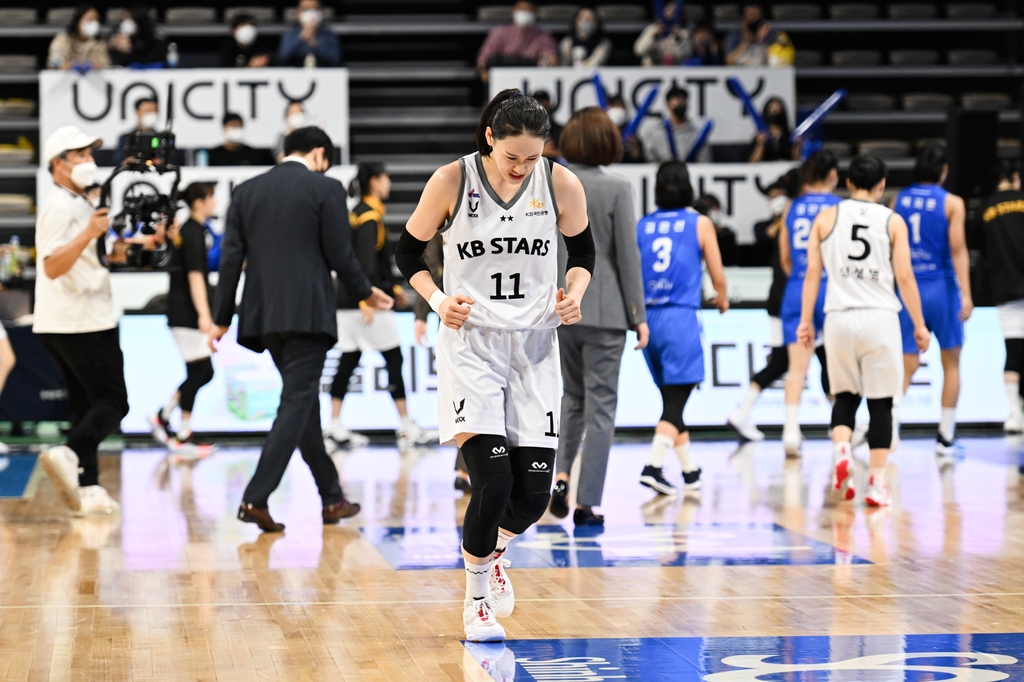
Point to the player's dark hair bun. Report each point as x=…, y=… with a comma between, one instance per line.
x=509, y=114
x=818, y=165
x=672, y=187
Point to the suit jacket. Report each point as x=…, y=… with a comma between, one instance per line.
x=290, y=228
x=615, y=297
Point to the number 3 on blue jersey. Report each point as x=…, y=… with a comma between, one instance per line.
x=662, y=247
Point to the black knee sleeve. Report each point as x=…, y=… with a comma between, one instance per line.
x=197, y=375
x=673, y=399
x=844, y=411
x=490, y=473
x=880, y=423
x=778, y=363
x=532, y=469
x=825, y=386
x=1014, y=356
x=346, y=365
x=396, y=384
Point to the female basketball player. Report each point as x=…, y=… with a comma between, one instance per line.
x=500, y=211
x=672, y=241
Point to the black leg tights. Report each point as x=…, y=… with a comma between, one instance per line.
x=346, y=365
x=197, y=375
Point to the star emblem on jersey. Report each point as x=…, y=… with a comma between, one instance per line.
x=506, y=217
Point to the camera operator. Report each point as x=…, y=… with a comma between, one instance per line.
x=75, y=321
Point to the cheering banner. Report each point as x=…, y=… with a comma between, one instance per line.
x=102, y=102
x=572, y=89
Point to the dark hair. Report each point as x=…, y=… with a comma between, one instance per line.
x=231, y=117
x=76, y=17
x=818, y=165
x=676, y=91
x=541, y=94
x=143, y=100
x=784, y=122
x=616, y=99
x=305, y=140
x=146, y=34
x=792, y=181
x=672, y=188
x=866, y=171
x=242, y=18
x=360, y=184
x=198, y=191
x=509, y=114
x=291, y=103
x=706, y=203
x=1004, y=169
x=591, y=138
x=930, y=162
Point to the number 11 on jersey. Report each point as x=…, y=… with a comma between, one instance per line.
x=498, y=296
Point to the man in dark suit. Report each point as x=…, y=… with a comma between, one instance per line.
x=290, y=228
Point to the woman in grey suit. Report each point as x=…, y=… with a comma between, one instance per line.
x=591, y=350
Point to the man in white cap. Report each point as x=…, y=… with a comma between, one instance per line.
x=75, y=320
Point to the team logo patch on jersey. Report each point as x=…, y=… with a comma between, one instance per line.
x=459, y=419
x=474, y=206
x=536, y=208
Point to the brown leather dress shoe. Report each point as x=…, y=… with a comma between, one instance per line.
x=340, y=510
x=261, y=517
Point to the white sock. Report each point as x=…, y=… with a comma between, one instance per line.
x=407, y=422
x=1013, y=397
x=186, y=425
x=948, y=423
x=877, y=475
x=336, y=423
x=841, y=449
x=477, y=580
x=749, y=400
x=170, y=407
x=685, y=460
x=659, y=450
x=503, y=540
x=792, y=416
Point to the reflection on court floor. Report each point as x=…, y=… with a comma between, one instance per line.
x=875, y=658
x=15, y=474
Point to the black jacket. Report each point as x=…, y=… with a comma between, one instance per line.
x=290, y=228
x=369, y=241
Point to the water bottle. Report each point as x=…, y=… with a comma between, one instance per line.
x=15, y=245
x=310, y=61
x=202, y=158
x=172, y=56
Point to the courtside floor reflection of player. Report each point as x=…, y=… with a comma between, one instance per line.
x=863, y=247
x=500, y=211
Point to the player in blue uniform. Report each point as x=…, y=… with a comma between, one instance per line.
x=672, y=241
x=820, y=175
x=938, y=253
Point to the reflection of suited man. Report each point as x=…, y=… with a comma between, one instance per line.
x=291, y=227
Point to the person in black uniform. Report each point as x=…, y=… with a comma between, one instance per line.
x=188, y=316
x=234, y=151
x=243, y=49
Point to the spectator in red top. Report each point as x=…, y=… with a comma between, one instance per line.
x=521, y=43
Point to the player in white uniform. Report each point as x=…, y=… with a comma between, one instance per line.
x=863, y=247
x=500, y=211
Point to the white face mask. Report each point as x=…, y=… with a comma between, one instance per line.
x=90, y=29
x=234, y=134
x=310, y=17
x=618, y=116
x=246, y=34
x=716, y=217
x=149, y=120
x=83, y=174
x=523, y=18
x=778, y=204
x=296, y=120
x=585, y=28
x=128, y=27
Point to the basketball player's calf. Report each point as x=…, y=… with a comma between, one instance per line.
x=879, y=438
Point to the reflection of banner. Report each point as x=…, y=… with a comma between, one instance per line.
x=102, y=102
x=737, y=186
x=572, y=89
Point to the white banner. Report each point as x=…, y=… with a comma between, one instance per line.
x=571, y=89
x=738, y=187
x=195, y=100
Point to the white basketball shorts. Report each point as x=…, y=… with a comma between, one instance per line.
x=353, y=335
x=501, y=382
x=864, y=348
x=1011, y=318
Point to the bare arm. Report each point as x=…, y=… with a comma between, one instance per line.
x=707, y=237
x=572, y=220
x=436, y=204
x=197, y=288
x=956, y=213
x=904, y=272
x=812, y=279
x=785, y=256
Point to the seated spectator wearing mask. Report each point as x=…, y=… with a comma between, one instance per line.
x=664, y=43
x=710, y=206
x=234, y=151
x=294, y=118
x=672, y=138
x=774, y=145
x=748, y=44
x=521, y=43
x=79, y=44
x=242, y=49
x=587, y=44
x=310, y=43
x=632, y=151
x=136, y=41
x=147, y=118
x=706, y=51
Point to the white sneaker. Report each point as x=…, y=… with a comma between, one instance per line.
x=878, y=495
x=860, y=435
x=96, y=501
x=792, y=440
x=481, y=624
x=338, y=437
x=410, y=434
x=1015, y=422
x=842, y=477
x=948, y=448
x=61, y=465
x=745, y=428
x=501, y=588
x=4, y=450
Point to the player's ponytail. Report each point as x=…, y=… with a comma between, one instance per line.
x=360, y=184
x=817, y=167
x=509, y=114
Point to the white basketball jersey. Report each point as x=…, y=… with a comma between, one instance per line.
x=857, y=255
x=504, y=254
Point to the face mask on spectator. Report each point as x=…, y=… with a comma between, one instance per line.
x=90, y=28
x=617, y=115
x=777, y=119
x=296, y=120
x=311, y=17
x=149, y=120
x=586, y=28
x=778, y=204
x=128, y=27
x=716, y=216
x=246, y=34
x=523, y=18
x=83, y=174
x=753, y=26
x=679, y=112
x=234, y=134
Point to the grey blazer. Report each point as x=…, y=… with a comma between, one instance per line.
x=615, y=297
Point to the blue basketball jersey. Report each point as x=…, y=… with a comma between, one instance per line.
x=670, y=258
x=802, y=212
x=923, y=207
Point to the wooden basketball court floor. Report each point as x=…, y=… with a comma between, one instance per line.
x=763, y=577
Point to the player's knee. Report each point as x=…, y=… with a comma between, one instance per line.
x=393, y=362
x=532, y=490
x=490, y=471
x=880, y=424
x=844, y=411
x=200, y=371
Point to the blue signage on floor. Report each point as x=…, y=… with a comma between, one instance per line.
x=15, y=473
x=649, y=545
x=903, y=658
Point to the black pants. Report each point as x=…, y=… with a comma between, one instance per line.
x=93, y=370
x=300, y=360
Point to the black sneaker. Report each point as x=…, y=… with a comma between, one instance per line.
x=691, y=481
x=560, y=500
x=652, y=478
x=585, y=516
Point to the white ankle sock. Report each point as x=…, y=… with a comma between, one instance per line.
x=1013, y=397
x=186, y=424
x=749, y=400
x=685, y=460
x=792, y=416
x=659, y=450
x=169, y=408
x=477, y=580
x=948, y=423
x=503, y=540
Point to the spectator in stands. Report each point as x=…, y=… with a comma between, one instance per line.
x=310, y=43
x=672, y=138
x=710, y=206
x=242, y=48
x=632, y=151
x=774, y=145
x=748, y=44
x=543, y=98
x=147, y=118
x=294, y=118
x=234, y=151
x=586, y=45
x=521, y=43
x=664, y=43
x=78, y=44
x=136, y=41
x=706, y=51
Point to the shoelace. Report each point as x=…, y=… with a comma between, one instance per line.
x=485, y=610
x=499, y=575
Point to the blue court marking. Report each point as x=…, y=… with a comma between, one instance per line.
x=649, y=545
x=15, y=473
x=881, y=658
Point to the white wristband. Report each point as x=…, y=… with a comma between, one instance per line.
x=435, y=300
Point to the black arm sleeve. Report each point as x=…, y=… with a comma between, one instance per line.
x=581, y=250
x=409, y=255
